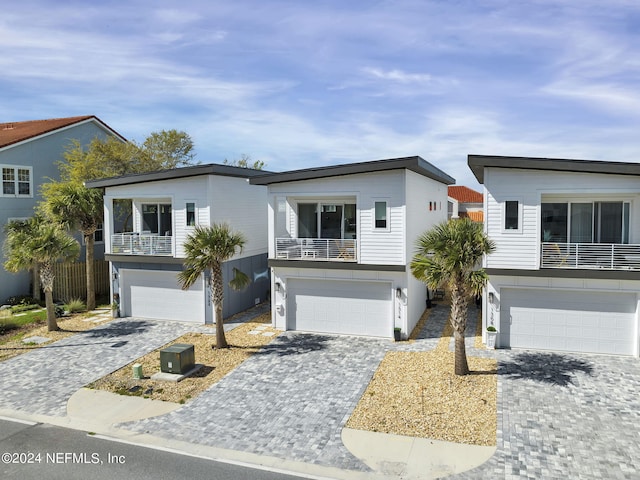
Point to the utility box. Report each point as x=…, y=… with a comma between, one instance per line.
x=178, y=358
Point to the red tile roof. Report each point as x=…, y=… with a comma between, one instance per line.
x=465, y=194
x=15, y=132
x=474, y=216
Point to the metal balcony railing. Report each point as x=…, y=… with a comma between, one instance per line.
x=319, y=249
x=607, y=256
x=133, y=243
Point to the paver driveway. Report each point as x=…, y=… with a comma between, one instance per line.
x=565, y=416
x=289, y=401
x=41, y=381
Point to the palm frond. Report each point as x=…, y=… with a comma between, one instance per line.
x=240, y=280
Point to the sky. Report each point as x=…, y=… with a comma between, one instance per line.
x=301, y=84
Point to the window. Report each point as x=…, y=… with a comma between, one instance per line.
x=98, y=235
x=380, y=215
x=16, y=181
x=330, y=220
x=511, y=215
x=191, y=214
x=156, y=218
x=581, y=222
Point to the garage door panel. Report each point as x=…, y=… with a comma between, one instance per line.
x=345, y=307
x=600, y=322
x=157, y=294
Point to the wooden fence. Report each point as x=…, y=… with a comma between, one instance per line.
x=71, y=280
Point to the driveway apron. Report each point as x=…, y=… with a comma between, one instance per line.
x=43, y=380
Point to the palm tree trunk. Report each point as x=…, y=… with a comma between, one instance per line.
x=88, y=258
x=459, y=323
x=36, y=283
x=46, y=277
x=217, y=293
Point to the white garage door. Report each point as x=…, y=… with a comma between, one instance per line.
x=157, y=294
x=570, y=321
x=346, y=307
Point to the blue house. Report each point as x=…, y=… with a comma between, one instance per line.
x=29, y=152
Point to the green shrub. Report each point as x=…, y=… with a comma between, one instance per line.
x=75, y=305
x=491, y=328
x=21, y=300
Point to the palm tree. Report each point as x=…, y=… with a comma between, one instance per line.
x=449, y=255
x=77, y=207
x=206, y=249
x=40, y=243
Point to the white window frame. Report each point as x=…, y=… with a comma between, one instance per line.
x=387, y=227
x=503, y=219
x=16, y=181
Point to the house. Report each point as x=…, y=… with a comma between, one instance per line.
x=149, y=216
x=341, y=239
x=465, y=202
x=29, y=152
x=565, y=274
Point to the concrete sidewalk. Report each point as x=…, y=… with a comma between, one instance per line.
x=388, y=456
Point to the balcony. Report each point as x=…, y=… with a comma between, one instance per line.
x=607, y=256
x=133, y=243
x=317, y=249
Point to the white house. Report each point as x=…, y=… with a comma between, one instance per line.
x=147, y=219
x=340, y=242
x=566, y=271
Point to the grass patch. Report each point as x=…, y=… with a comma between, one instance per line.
x=14, y=322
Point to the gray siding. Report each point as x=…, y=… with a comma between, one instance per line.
x=41, y=154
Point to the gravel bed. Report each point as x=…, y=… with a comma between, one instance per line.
x=217, y=363
x=417, y=394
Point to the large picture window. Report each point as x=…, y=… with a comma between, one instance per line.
x=156, y=218
x=585, y=222
x=324, y=220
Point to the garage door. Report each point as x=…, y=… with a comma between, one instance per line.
x=157, y=294
x=353, y=308
x=570, y=321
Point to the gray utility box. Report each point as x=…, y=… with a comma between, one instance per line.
x=178, y=358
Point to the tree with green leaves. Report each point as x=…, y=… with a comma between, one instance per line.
x=205, y=251
x=74, y=206
x=112, y=158
x=39, y=242
x=448, y=255
x=245, y=161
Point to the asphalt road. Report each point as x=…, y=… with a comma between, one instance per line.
x=47, y=452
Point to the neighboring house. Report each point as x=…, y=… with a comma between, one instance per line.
x=29, y=152
x=341, y=239
x=147, y=219
x=566, y=271
x=465, y=202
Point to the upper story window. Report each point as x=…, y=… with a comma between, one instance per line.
x=324, y=220
x=156, y=218
x=381, y=215
x=191, y=214
x=585, y=222
x=511, y=215
x=17, y=181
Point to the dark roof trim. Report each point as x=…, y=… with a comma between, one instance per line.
x=566, y=273
x=415, y=164
x=335, y=265
x=183, y=172
x=477, y=164
x=119, y=258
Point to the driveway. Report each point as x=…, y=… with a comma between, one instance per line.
x=43, y=380
x=289, y=401
x=565, y=416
